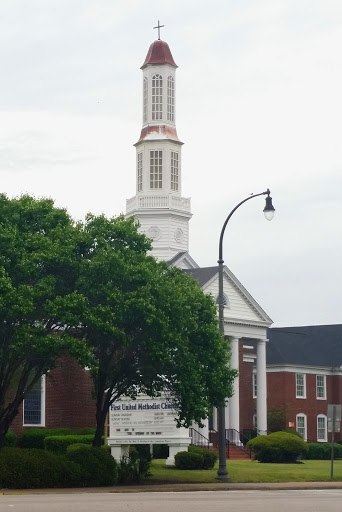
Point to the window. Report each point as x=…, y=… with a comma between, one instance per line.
x=320, y=387
x=225, y=301
x=156, y=169
x=157, y=97
x=174, y=170
x=254, y=385
x=301, y=425
x=322, y=428
x=139, y=171
x=300, y=385
x=34, y=404
x=145, y=97
x=255, y=421
x=170, y=99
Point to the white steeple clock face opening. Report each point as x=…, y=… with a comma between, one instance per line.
x=154, y=233
x=179, y=235
x=158, y=205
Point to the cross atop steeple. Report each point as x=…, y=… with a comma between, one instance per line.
x=159, y=27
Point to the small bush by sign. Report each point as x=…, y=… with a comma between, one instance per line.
x=195, y=458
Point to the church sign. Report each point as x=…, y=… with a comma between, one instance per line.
x=145, y=420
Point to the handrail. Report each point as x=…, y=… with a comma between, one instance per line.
x=198, y=439
x=235, y=437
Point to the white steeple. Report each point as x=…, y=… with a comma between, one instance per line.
x=158, y=205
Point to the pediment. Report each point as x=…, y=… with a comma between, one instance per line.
x=242, y=307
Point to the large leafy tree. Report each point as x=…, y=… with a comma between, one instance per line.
x=150, y=327
x=39, y=260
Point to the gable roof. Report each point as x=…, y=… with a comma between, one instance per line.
x=202, y=275
x=314, y=345
x=183, y=260
x=207, y=275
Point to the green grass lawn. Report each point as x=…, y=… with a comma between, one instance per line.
x=250, y=471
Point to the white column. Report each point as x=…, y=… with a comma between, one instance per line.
x=204, y=431
x=261, y=401
x=234, y=401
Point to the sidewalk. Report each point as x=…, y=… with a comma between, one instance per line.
x=183, y=488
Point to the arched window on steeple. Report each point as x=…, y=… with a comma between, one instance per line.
x=145, y=96
x=157, y=97
x=170, y=98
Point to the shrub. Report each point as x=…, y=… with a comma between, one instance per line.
x=195, y=458
x=98, y=468
x=292, y=431
x=27, y=469
x=322, y=451
x=59, y=444
x=209, y=458
x=276, y=419
x=278, y=447
x=188, y=460
x=136, y=466
x=34, y=437
x=10, y=439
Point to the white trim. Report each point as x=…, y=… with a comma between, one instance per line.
x=303, y=396
x=324, y=397
x=312, y=370
x=302, y=415
x=42, y=412
x=325, y=428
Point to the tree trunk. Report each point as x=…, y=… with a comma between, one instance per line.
x=6, y=421
x=101, y=413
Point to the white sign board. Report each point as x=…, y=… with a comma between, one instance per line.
x=146, y=420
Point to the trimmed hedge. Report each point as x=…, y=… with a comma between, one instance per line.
x=278, y=447
x=34, y=437
x=195, y=458
x=22, y=468
x=10, y=439
x=59, y=444
x=98, y=467
x=322, y=451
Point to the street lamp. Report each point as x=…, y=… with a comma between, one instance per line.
x=222, y=473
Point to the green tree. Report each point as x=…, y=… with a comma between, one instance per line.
x=150, y=326
x=39, y=258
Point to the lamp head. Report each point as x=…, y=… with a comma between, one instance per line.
x=269, y=208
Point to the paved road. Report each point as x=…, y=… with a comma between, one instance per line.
x=223, y=501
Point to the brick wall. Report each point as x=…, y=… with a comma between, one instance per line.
x=281, y=394
x=68, y=398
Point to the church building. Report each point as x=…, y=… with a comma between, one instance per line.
x=164, y=215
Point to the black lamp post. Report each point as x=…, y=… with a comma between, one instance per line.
x=269, y=210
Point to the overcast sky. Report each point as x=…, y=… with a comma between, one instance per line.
x=259, y=105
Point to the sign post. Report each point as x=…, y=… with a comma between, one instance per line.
x=334, y=421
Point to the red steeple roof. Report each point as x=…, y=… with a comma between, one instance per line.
x=159, y=53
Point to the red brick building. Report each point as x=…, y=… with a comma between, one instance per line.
x=304, y=375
